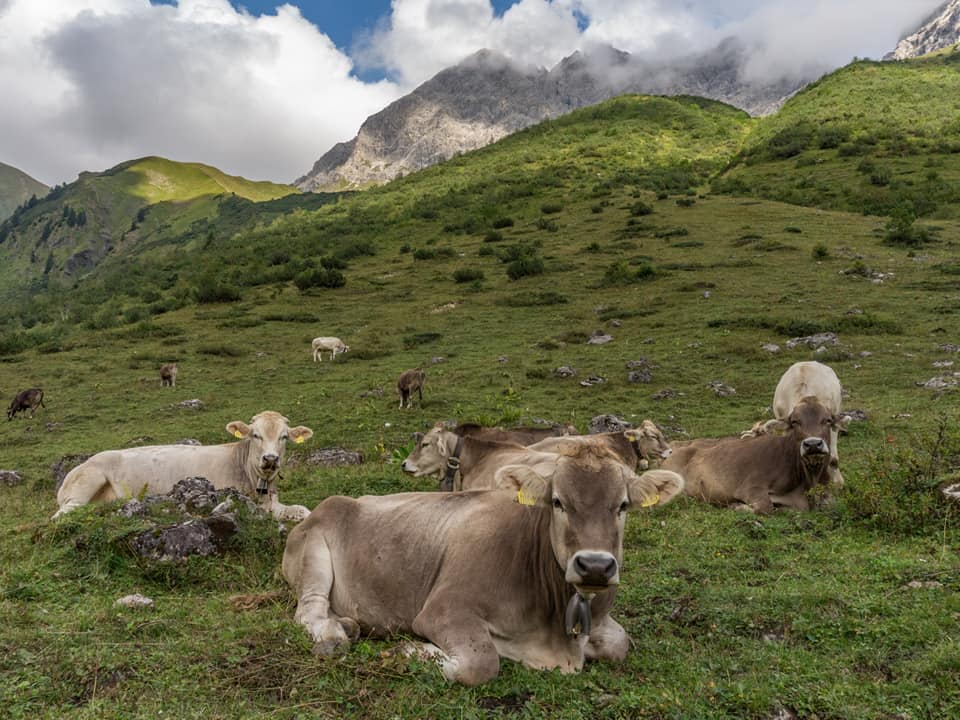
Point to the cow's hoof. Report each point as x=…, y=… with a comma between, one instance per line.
x=351, y=627
x=331, y=647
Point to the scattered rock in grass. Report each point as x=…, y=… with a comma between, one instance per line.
x=640, y=376
x=939, y=384
x=854, y=415
x=615, y=323
x=814, y=341
x=771, y=348
x=599, y=337
x=140, y=441
x=175, y=543
x=593, y=380
x=866, y=354
x=721, y=389
x=65, y=464
x=375, y=392
x=188, y=441
x=949, y=347
x=924, y=585
x=193, y=404
x=902, y=416
x=437, y=359
x=10, y=478
x=327, y=457
x=51, y=426
x=134, y=602
x=666, y=393
x=565, y=371
x=952, y=492
x=640, y=364
x=607, y=423
x=503, y=359
x=940, y=364
x=784, y=714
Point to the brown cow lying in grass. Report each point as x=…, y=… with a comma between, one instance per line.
x=478, y=575
x=251, y=465
x=764, y=472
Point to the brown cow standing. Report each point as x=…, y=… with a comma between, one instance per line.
x=409, y=381
x=24, y=400
x=168, y=375
x=765, y=472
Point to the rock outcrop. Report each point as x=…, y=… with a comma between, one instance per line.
x=940, y=30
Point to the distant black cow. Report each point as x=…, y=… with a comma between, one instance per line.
x=26, y=400
x=409, y=381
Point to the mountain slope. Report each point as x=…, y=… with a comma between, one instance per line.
x=70, y=230
x=486, y=97
x=873, y=137
x=16, y=188
x=941, y=30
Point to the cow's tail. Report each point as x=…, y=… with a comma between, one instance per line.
x=41, y=399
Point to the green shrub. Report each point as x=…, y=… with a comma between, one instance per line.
x=596, y=209
x=901, y=493
x=503, y=222
x=220, y=350
x=321, y=277
x=621, y=273
x=901, y=230
x=820, y=251
x=550, y=208
x=525, y=266
x=533, y=299
x=211, y=290
x=548, y=225
x=424, y=254
x=640, y=208
x=464, y=275
x=686, y=202
x=493, y=236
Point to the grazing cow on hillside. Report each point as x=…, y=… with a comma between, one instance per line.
x=478, y=575
x=333, y=344
x=802, y=380
x=764, y=472
x=638, y=448
x=168, y=375
x=24, y=400
x=468, y=463
x=518, y=435
x=251, y=465
x=408, y=382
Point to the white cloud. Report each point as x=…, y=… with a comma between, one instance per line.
x=90, y=83
x=261, y=97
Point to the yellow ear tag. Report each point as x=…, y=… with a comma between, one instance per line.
x=525, y=499
x=237, y=434
x=653, y=500
x=299, y=439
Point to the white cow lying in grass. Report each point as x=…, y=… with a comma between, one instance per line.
x=333, y=344
x=250, y=465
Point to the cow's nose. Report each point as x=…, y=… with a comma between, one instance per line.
x=595, y=568
x=814, y=445
x=270, y=460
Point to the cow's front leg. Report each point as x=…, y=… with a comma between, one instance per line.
x=285, y=512
x=462, y=646
x=608, y=641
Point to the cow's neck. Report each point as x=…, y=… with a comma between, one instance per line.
x=541, y=569
x=247, y=470
x=799, y=475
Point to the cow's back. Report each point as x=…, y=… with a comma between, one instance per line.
x=804, y=379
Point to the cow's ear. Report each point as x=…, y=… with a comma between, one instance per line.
x=531, y=487
x=654, y=487
x=841, y=422
x=633, y=434
x=776, y=426
x=238, y=429
x=300, y=433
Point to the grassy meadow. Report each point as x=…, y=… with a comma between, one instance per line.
x=491, y=271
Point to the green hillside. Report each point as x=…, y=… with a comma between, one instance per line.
x=68, y=232
x=872, y=137
x=16, y=188
x=491, y=271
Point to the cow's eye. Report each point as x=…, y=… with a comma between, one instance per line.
x=256, y=436
x=284, y=438
x=624, y=505
x=557, y=505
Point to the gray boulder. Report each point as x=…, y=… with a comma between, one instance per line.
x=607, y=423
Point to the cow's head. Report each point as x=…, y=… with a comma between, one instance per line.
x=808, y=426
x=650, y=443
x=430, y=455
x=588, y=496
x=265, y=441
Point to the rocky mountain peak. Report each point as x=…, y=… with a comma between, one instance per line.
x=940, y=30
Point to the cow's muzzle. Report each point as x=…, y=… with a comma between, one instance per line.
x=269, y=462
x=592, y=571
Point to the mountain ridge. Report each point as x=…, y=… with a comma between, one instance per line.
x=16, y=188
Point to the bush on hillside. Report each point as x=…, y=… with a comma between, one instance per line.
x=901, y=230
x=621, y=273
x=211, y=290
x=465, y=275
x=525, y=266
x=320, y=277
x=901, y=492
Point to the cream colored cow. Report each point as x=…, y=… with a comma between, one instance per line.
x=250, y=465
